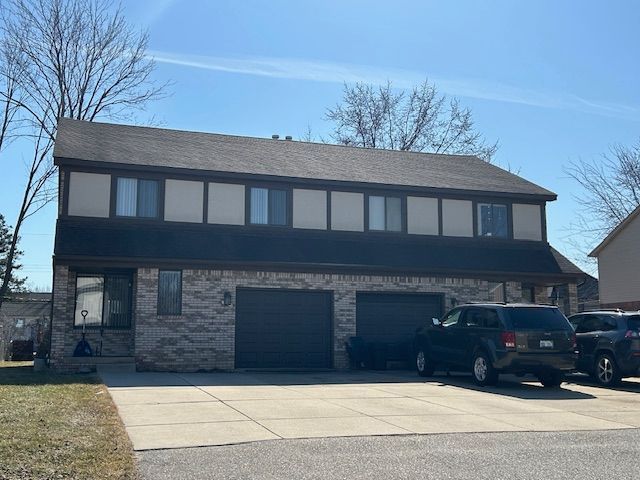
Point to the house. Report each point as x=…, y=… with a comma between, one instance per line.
x=193, y=251
x=618, y=265
x=588, y=296
x=23, y=316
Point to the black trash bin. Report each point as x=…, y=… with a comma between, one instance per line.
x=21, y=350
x=379, y=354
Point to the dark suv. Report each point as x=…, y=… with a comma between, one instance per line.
x=608, y=344
x=490, y=339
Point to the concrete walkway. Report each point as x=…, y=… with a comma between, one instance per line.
x=162, y=410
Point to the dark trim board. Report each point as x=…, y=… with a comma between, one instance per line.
x=303, y=250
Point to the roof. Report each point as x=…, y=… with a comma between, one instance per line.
x=614, y=233
x=156, y=147
x=238, y=248
x=565, y=264
x=38, y=307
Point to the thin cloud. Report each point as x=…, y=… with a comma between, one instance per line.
x=319, y=71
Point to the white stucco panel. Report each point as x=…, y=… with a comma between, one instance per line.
x=183, y=201
x=422, y=215
x=527, y=222
x=226, y=204
x=457, y=218
x=89, y=194
x=347, y=211
x=310, y=209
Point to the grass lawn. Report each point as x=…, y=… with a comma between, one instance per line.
x=59, y=426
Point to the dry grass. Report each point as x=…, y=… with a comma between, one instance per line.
x=59, y=426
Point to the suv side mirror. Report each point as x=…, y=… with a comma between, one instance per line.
x=436, y=322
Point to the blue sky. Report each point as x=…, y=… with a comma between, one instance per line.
x=553, y=81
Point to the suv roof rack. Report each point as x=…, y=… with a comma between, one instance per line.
x=617, y=310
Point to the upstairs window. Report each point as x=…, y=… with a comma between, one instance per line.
x=492, y=220
x=385, y=214
x=269, y=207
x=136, y=197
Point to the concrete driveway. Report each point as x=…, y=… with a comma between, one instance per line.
x=163, y=410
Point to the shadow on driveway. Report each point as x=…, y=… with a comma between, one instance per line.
x=526, y=388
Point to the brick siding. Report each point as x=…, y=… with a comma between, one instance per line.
x=203, y=336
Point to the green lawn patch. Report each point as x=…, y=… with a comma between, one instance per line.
x=59, y=426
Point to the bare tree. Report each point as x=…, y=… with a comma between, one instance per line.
x=419, y=119
x=609, y=192
x=66, y=58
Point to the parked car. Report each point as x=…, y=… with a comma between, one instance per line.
x=608, y=345
x=489, y=339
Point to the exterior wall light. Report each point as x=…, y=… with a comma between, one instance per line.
x=226, y=298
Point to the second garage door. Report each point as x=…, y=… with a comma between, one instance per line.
x=283, y=328
x=394, y=317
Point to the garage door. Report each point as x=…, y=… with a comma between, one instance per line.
x=283, y=329
x=394, y=317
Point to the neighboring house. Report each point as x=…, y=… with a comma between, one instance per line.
x=618, y=265
x=588, y=296
x=192, y=251
x=23, y=316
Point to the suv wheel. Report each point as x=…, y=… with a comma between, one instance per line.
x=606, y=371
x=482, y=370
x=551, y=379
x=424, y=366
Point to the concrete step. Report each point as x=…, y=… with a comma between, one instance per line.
x=116, y=367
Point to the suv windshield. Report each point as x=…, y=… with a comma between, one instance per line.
x=532, y=318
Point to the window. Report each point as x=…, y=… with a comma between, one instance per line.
x=528, y=293
x=136, y=197
x=169, y=292
x=452, y=318
x=492, y=220
x=596, y=323
x=20, y=323
x=482, y=318
x=497, y=292
x=537, y=318
x=106, y=299
x=268, y=207
x=385, y=213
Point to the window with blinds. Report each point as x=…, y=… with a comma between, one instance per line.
x=169, y=292
x=137, y=197
x=268, y=206
x=385, y=213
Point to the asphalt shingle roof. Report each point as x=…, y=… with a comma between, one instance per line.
x=155, y=147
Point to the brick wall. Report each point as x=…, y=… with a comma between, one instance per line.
x=64, y=337
x=203, y=337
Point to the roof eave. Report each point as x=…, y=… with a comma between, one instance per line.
x=614, y=233
x=78, y=162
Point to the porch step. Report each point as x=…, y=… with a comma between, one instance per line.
x=116, y=367
x=104, y=364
